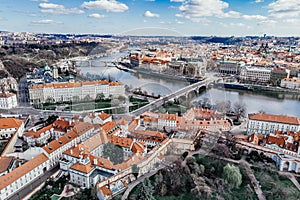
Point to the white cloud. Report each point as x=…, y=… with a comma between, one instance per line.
x=178, y=22
x=150, y=14
x=45, y=21
x=292, y=21
x=96, y=15
x=176, y=0
x=254, y=17
x=259, y=1
x=51, y=8
x=284, y=8
x=267, y=22
x=108, y=5
x=206, y=8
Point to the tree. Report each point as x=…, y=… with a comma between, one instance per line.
x=100, y=97
x=135, y=170
x=240, y=110
x=146, y=190
x=113, y=153
x=232, y=175
x=223, y=106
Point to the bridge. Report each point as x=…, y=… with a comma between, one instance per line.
x=192, y=89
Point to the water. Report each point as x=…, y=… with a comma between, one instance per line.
x=269, y=102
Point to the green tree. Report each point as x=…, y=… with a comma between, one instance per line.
x=135, y=170
x=100, y=97
x=146, y=190
x=113, y=153
x=232, y=175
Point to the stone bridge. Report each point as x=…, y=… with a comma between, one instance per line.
x=187, y=92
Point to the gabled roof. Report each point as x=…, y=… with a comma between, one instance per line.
x=5, y=163
x=37, y=134
x=104, y=115
x=17, y=173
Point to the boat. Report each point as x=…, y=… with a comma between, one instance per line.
x=235, y=86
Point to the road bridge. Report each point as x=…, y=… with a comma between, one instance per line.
x=194, y=88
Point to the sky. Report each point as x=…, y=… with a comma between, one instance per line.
x=164, y=17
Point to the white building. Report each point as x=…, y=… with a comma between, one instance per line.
x=23, y=175
x=40, y=136
x=59, y=92
x=98, y=118
x=255, y=74
x=8, y=100
x=291, y=83
x=267, y=123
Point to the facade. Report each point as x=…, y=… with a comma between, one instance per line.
x=77, y=91
x=23, y=175
x=8, y=100
x=291, y=83
x=39, y=137
x=230, y=67
x=267, y=123
x=255, y=74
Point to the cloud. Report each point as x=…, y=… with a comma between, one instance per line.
x=45, y=21
x=96, y=15
x=292, y=21
x=51, y=8
x=178, y=22
x=267, y=22
x=259, y=1
x=108, y=5
x=284, y=8
x=254, y=17
x=176, y=0
x=150, y=14
x=150, y=0
x=206, y=8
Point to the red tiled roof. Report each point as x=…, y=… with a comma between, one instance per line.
x=274, y=118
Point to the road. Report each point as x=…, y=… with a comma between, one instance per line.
x=30, y=187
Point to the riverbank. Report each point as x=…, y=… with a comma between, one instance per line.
x=254, y=88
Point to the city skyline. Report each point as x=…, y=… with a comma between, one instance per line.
x=167, y=17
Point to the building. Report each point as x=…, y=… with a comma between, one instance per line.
x=98, y=118
x=7, y=164
x=277, y=74
x=9, y=126
x=255, y=74
x=39, y=137
x=23, y=175
x=8, y=100
x=230, y=67
x=291, y=83
x=267, y=123
x=74, y=91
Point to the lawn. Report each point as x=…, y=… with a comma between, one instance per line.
x=275, y=186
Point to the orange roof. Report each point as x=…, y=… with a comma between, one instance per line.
x=137, y=148
x=83, y=168
x=6, y=95
x=17, y=173
x=108, y=126
x=104, y=115
x=70, y=85
x=121, y=141
x=105, y=190
x=37, y=134
x=5, y=163
x=167, y=116
x=82, y=127
x=274, y=118
x=6, y=123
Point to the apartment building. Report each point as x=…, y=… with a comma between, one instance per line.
x=8, y=126
x=267, y=123
x=77, y=91
x=255, y=74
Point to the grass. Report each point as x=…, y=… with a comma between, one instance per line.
x=57, y=188
x=275, y=186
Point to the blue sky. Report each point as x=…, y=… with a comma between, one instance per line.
x=171, y=17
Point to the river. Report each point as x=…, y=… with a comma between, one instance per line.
x=269, y=102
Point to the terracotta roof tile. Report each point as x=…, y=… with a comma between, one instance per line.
x=274, y=118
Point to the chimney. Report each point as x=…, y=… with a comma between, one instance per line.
x=95, y=161
x=71, y=151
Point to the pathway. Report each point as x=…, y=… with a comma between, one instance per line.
x=292, y=178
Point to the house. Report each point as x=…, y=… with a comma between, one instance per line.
x=8, y=100
x=39, y=137
x=98, y=118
